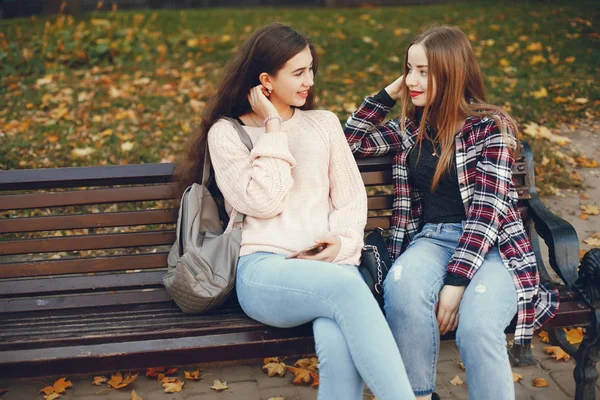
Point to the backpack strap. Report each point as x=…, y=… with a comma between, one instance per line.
x=244, y=137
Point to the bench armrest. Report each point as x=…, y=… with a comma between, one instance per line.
x=559, y=236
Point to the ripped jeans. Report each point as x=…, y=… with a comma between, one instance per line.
x=488, y=305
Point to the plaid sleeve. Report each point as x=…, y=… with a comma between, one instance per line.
x=493, y=178
x=365, y=133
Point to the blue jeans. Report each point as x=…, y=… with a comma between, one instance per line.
x=352, y=338
x=488, y=305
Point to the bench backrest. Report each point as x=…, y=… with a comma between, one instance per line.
x=95, y=236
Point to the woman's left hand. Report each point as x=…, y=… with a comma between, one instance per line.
x=447, y=307
x=329, y=253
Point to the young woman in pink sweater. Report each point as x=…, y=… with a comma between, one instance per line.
x=299, y=186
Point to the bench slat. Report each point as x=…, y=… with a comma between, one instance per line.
x=145, y=353
x=86, y=197
x=87, y=242
x=82, y=221
x=153, y=295
x=100, y=282
x=378, y=222
x=377, y=177
x=380, y=202
x=82, y=265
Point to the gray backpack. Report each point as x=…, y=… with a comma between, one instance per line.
x=202, y=262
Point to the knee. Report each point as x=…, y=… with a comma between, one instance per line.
x=407, y=294
x=473, y=334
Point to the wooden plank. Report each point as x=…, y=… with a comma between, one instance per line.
x=83, y=221
x=86, y=197
x=79, y=265
x=145, y=353
x=86, y=242
x=380, y=202
x=377, y=177
x=101, y=282
x=28, y=179
x=156, y=295
x=378, y=222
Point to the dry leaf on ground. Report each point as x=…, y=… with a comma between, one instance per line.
x=593, y=241
x=58, y=387
x=540, y=382
x=557, y=353
x=301, y=375
x=218, y=385
x=574, y=335
x=194, y=375
x=173, y=386
x=517, y=377
x=584, y=162
x=117, y=381
x=134, y=396
x=99, y=380
x=277, y=398
x=52, y=396
x=154, y=372
x=271, y=360
x=316, y=379
x=590, y=209
x=47, y=390
x=456, y=381
x=461, y=365
x=274, y=368
x=310, y=364
x=543, y=335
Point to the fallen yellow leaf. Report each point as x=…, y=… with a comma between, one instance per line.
x=557, y=353
x=308, y=363
x=586, y=163
x=581, y=100
x=194, y=375
x=277, y=398
x=301, y=375
x=274, y=368
x=218, y=385
x=270, y=360
x=534, y=46
x=570, y=59
x=47, y=390
x=461, y=365
x=173, y=387
x=540, y=382
x=134, y=396
x=52, y=396
x=537, y=59
x=538, y=94
x=118, y=381
x=517, y=377
x=99, y=380
x=574, y=335
x=592, y=241
x=456, y=381
x=543, y=335
x=590, y=209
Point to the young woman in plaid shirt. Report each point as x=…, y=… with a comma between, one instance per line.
x=463, y=258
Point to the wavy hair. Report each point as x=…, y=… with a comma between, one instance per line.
x=454, y=71
x=266, y=50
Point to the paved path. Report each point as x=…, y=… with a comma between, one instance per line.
x=248, y=382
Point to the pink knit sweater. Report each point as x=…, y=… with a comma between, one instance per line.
x=295, y=186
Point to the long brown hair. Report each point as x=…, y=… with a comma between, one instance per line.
x=454, y=71
x=266, y=50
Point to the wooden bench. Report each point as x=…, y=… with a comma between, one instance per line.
x=83, y=250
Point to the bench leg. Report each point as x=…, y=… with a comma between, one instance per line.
x=587, y=355
x=520, y=355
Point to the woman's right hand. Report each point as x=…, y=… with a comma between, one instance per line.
x=260, y=103
x=394, y=88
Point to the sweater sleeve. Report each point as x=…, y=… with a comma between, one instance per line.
x=255, y=183
x=347, y=195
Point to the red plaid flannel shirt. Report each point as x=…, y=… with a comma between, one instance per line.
x=484, y=169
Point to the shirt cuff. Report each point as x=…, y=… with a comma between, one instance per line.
x=453, y=279
x=384, y=98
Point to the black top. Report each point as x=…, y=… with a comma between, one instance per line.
x=445, y=204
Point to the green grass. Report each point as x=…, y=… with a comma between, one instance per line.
x=360, y=52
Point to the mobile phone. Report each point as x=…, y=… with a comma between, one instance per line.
x=309, y=251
